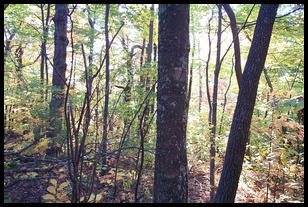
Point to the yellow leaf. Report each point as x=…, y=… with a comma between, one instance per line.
x=53, y=182
x=42, y=146
x=283, y=158
x=293, y=168
x=51, y=189
x=98, y=197
x=49, y=197
x=92, y=197
x=61, y=169
x=120, y=176
x=63, y=185
x=29, y=136
x=32, y=174
x=106, y=181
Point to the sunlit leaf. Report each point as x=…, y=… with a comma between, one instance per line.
x=92, y=197
x=63, y=185
x=54, y=182
x=51, y=189
x=49, y=197
x=98, y=197
x=283, y=158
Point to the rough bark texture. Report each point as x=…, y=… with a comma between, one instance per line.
x=245, y=104
x=170, y=176
x=58, y=77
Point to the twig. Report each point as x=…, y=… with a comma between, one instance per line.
x=124, y=137
x=102, y=63
x=290, y=12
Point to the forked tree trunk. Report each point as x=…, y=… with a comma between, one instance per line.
x=245, y=104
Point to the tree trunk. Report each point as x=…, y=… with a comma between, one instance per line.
x=245, y=104
x=19, y=56
x=46, y=64
x=170, y=175
x=105, y=122
x=43, y=47
x=207, y=72
x=191, y=69
x=58, y=77
x=237, y=51
x=214, y=114
x=200, y=80
x=142, y=82
x=155, y=52
x=149, y=60
x=43, y=50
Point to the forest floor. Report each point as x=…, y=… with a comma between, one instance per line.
x=32, y=191
x=31, y=187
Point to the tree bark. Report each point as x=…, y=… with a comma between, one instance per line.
x=214, y=114
x=239, y=132
x=149, y=60
x=207, y=72
x=105, y=121
x=43, y=47
x=191, y=69
x=236, y=42
x=170, y=175
x=200, y=80
x=59, y=67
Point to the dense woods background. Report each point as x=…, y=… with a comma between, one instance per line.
x=153, y=103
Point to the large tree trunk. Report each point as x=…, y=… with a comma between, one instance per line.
x=58, y=77
x=245, y=104
x=170, y=175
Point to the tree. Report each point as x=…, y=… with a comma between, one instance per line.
x=43, y=46
x=104, y=140
x=214, y=104
x=58, y=77
x=170, y=175
x=149, y=57
x=237, y=51
x=245, y=104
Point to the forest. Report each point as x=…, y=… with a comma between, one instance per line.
x=153, y=103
